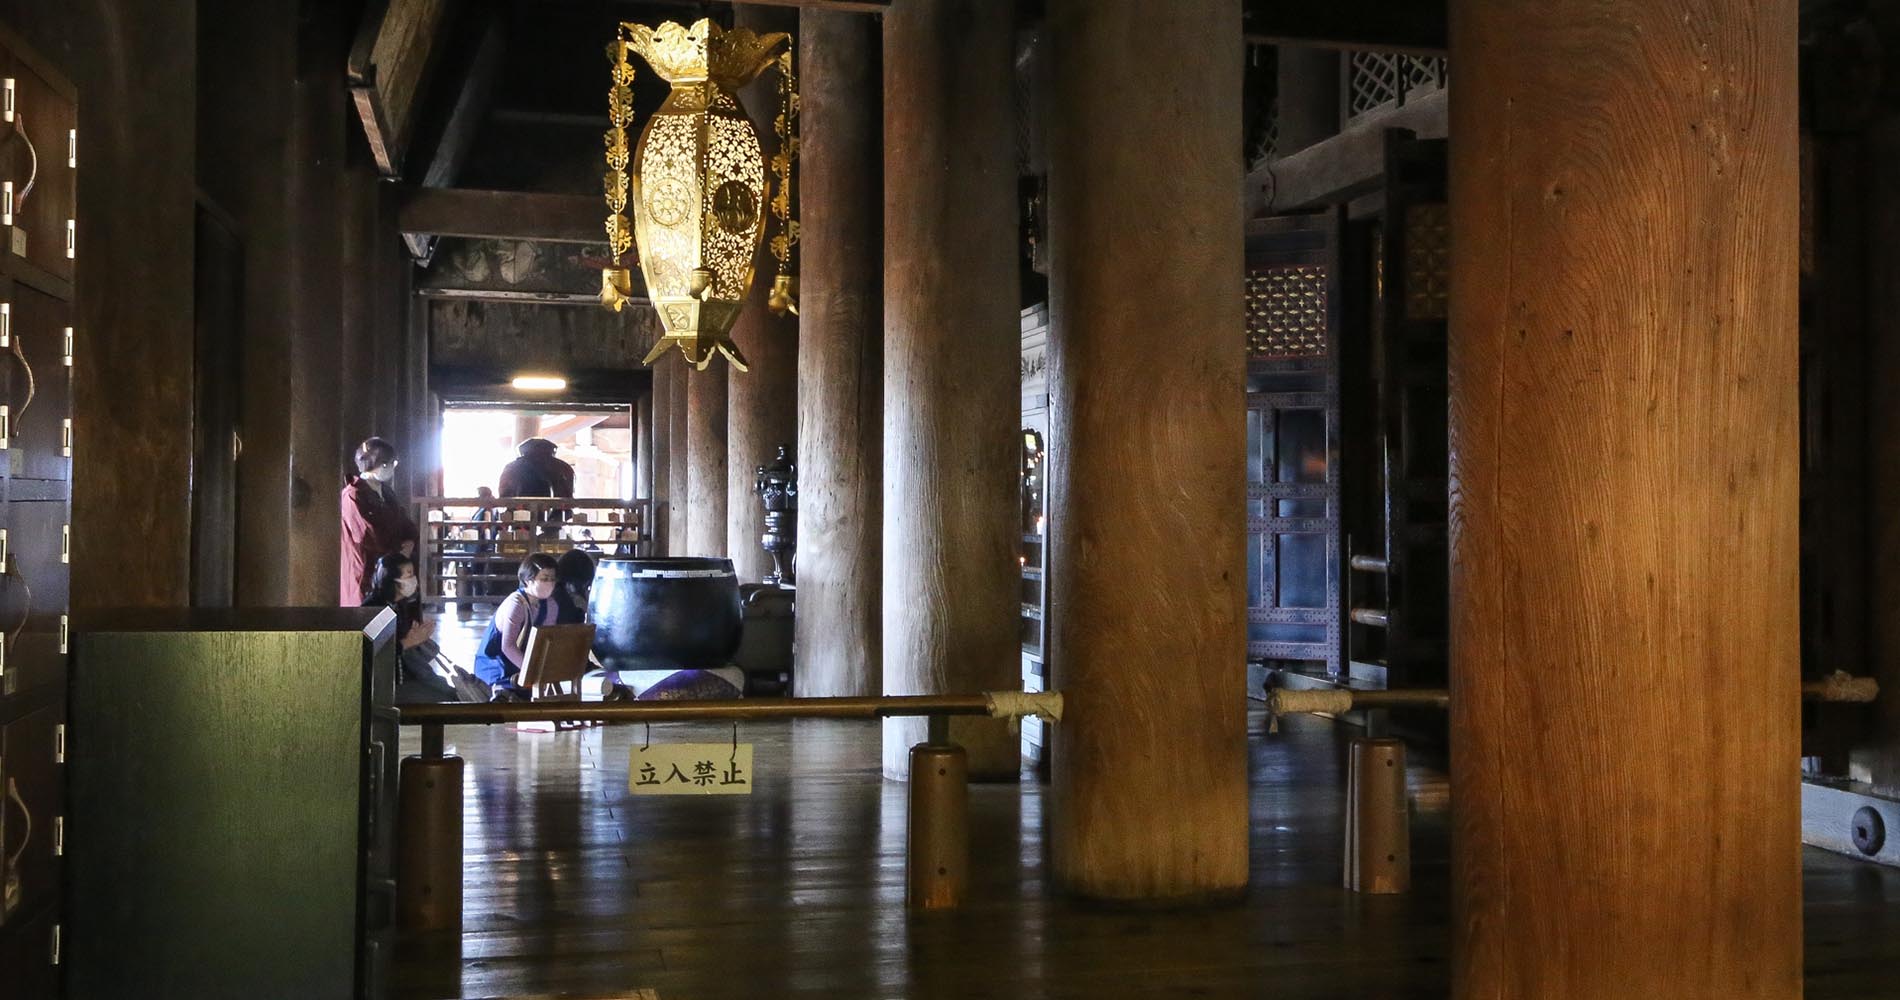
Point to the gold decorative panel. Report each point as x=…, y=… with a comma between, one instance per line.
x=1427, y=261
x=1286, y=311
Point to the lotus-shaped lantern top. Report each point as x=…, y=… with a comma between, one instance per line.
x=705, y=51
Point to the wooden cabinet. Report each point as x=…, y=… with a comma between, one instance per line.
x=231, y=805
x=38, y=183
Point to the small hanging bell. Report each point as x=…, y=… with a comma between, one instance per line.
x=784, y=297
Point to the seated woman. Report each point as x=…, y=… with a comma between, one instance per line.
x=574, y=574
x=504, y=648
x=393, y=584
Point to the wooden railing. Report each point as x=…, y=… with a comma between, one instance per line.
x=471, y=547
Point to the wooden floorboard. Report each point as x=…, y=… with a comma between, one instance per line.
x=574, y=888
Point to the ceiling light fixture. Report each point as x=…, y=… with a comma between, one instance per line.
x=540, y=383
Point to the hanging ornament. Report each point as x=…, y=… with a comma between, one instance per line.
x=696, y=184
x=784, y=297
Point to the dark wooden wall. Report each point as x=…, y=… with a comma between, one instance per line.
x=134, y=65
x=240, y=105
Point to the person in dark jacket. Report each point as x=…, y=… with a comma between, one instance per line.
x=394, y=585
x=375, y=522
x=536, y=473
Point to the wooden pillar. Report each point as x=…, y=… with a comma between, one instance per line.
x=677, y=453
x=705, y=459
x=663, y=493
x=1308, y=96
x=1147, y=639
x=1878, y=209
x=1625, y=712
x=643, y=446
x=840, y=361
x=762, y=404
x=951, y=346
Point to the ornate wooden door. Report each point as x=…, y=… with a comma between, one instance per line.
x=1293, y=516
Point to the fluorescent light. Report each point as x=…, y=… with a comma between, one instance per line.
x=545, y=383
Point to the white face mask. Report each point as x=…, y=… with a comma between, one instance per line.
x=541, y=590
x=383, y=473
x=406, y=589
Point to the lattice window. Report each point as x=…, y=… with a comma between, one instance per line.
x=1379, y=80
x=1424, y=73
x=1270, y=135
x=1286, y=312
x=1374, y=80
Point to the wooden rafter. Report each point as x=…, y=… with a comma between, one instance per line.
x=1416, y=26
x=389, y=67
x=517, y=215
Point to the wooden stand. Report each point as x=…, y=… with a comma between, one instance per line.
x=938, y=862
x=1378, y=826
x=429, y=852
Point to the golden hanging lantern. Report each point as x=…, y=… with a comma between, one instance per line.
x=695, y=183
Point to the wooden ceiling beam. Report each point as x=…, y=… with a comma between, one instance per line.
x=508, y=215
x=1416, y=26
x=857, y=6
x=389, y=67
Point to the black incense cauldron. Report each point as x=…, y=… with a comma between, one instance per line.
x=671, y=613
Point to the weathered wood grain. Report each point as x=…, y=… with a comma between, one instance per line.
x=677, y=451
x=1625, y=716
x=503, y=215
x=951, y=351
x=1147, y=407
x=838, y=640
x=706, y=413
x=761, y=404
x=388, y=70
x=520, y=335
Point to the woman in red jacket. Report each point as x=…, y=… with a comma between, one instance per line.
x=375, y=523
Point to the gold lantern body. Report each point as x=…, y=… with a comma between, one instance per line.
x=698, y=186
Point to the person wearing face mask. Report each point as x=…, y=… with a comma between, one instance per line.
x=504, y=648
x=375, y=522
x=426, y=674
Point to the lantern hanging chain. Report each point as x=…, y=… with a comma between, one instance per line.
x=787, y=128
x=620, y=115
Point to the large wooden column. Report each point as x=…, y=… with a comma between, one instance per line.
x=1147, y=409
x=951, y=346
x=1625, y=713
x=762, y=404
x=838, y=630
x=662, y=400
x=674, y=371
x=705, y=459
x=643, y=446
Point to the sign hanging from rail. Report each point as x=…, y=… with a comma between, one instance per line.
x=690, y=769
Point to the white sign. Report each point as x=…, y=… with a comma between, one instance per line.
x=690, y=769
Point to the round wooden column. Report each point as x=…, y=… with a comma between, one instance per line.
x=674, y=370
x=643, y=446
x=762, y=404
x=951, y=347
x=1625, y=710
x=705, y=458
x=1148, y=449
x=838, y=631
x=662, y=459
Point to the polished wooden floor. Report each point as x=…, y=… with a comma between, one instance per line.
x=575, y=888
